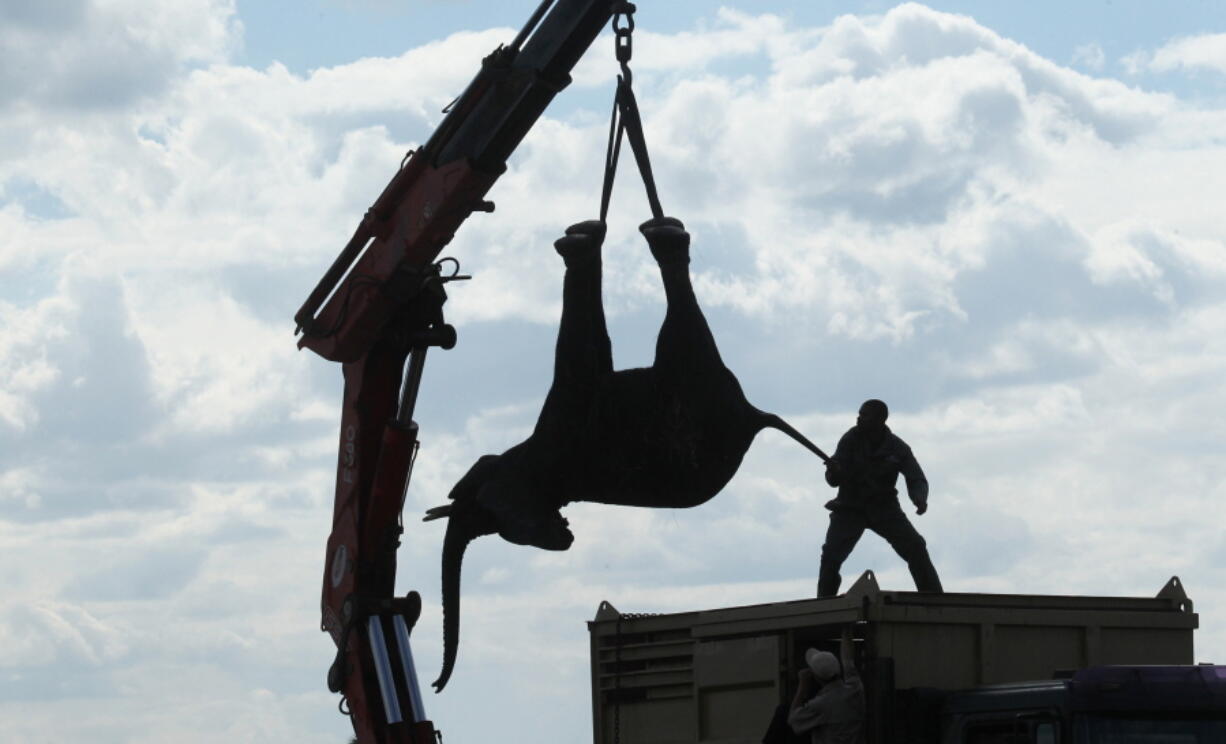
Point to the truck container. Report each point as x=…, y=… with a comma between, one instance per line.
x=931, y=663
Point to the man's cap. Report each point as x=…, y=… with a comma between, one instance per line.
x=822, y=663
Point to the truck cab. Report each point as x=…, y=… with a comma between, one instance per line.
x=1016, y=713
x=1100, y=705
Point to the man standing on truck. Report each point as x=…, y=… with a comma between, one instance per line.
x=865, y=468
x=835, y=714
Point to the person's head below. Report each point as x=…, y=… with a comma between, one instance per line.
x=823, y=664
x=873, y=414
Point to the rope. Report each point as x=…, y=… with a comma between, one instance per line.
x=626, y=120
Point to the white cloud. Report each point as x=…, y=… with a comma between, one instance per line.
x=87, y=54
x=1026, y=261
x=1198, y=52
x=1091, y=55
x=51, y=632
x=73, y=349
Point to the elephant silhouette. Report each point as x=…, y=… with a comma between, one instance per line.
x=666, y=436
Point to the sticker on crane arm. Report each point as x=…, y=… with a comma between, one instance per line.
x=349, y=453
x=340, y=559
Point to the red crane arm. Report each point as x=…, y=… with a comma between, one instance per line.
x=381, y=303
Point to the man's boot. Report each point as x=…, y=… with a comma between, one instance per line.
x=925, y=575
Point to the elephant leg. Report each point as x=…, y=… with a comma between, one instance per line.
x=685, y=347
x=526, y=512
x=583, y=354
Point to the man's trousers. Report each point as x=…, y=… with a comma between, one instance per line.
x=847, y=524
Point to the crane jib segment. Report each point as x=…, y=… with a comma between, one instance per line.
x=377, y=310
x=446, y=180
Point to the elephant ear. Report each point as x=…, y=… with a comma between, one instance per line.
x=467, y=488
x=465, y=491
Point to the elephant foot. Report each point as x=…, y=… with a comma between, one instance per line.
x=669, y=242
x=581, y=243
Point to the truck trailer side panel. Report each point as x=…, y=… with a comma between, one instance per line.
x=716, y=676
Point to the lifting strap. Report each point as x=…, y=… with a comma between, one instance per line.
x=625, y=119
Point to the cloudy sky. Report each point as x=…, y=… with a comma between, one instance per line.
x=1003, y=219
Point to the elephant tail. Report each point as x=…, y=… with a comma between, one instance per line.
x=454, y=544
x=771, y=421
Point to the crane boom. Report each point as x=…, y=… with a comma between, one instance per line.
x=439, y=185
x=380, y=304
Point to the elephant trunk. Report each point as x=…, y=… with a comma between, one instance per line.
x=454, y=543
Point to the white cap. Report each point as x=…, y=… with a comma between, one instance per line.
x=822, y=663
